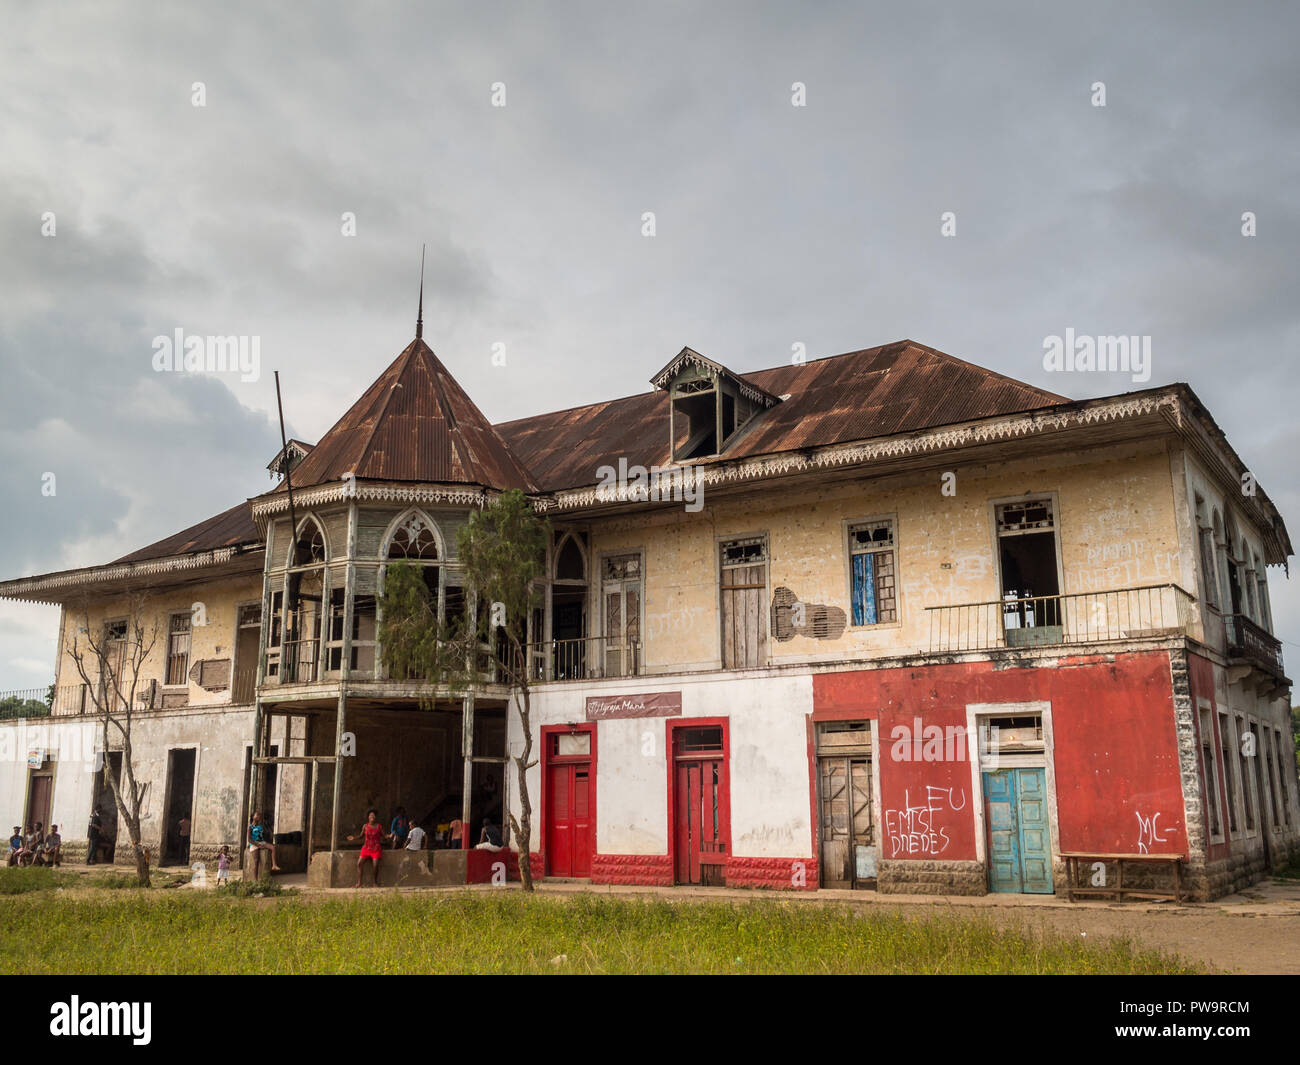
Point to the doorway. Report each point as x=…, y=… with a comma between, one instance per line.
x=103, y=798
x=1030, y=577
x=1018, y=832
x=849, y=849
x=701, y=829
x=40, y=793
x=570, y=804
x=179, y=806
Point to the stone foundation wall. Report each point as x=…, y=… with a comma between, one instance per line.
x=931, y=878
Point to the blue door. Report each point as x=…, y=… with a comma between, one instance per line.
x=1020, y=850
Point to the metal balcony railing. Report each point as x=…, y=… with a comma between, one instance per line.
x=585, y=658
x=1248, y=641
x=1081, y=618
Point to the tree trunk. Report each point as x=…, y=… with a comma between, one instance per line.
x=525, y=824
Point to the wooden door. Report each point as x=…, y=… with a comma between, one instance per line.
x=848, y=846
x=700, y=823
x=742, y=592
x=1019, y=838
x=38, y=800
x=569, y=828
x=1035, y=834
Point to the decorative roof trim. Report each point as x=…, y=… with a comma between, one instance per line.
x=691, y=357
x=932, y=441
x=29, y=587
x=268, y=506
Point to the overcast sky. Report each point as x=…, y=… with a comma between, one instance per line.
x=775, y=224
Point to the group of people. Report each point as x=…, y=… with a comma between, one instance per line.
x=406, y=834
x=36, y=846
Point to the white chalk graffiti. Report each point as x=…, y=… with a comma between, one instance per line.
x=1147, y=832
x=913, y=829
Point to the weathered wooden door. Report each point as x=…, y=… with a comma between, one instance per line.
x=848, y=849
x=701, y=850
x=1019, y=837
x=568, y=830
x=38, y=800
x=743, y=589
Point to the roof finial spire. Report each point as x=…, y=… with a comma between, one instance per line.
x=419, y=315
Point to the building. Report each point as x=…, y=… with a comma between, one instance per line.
x=883, y=620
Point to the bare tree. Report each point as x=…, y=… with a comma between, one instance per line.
x=110, y=659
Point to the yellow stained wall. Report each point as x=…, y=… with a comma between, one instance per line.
x=220, y=599
x=1114, y=521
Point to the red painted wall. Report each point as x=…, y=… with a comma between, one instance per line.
x=1115, y=751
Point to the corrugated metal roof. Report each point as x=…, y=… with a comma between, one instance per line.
x=415, y=423
x=228, y=529
x=895, y=388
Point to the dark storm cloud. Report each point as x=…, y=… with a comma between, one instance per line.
x=776, y=225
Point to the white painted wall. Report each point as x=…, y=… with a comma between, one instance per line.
x=767, y=714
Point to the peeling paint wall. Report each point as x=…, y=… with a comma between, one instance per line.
x=1115, y=524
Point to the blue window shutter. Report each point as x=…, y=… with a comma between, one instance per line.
x=864, y=590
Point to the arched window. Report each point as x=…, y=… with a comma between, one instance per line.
x=1220, y=564
x=1205, y=544
x=1248, y=581
x=570, y=562
x=1261, y=585
x=291, y=653
x=309, y=546
x=415, y=538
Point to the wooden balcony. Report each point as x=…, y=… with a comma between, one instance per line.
x=1248, y=644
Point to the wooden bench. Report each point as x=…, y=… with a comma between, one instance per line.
x=1075, y=887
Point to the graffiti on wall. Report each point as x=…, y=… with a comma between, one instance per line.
x=915, y=830
x=1149, y=832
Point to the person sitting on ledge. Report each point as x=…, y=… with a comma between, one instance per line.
x=257, y=841
x=15, y=845
x=417, y=840
x=51, y=852
x=400, y=828
x=490, y=838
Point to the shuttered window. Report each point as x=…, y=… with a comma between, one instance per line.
x=872, y=556
x=178, y=649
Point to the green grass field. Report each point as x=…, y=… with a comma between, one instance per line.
x=58, y=928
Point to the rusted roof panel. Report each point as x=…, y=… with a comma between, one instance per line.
x=415, y=423
x=895, y=388
x=230, y=528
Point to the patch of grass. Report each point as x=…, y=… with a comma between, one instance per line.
x=250, y=889
x=508, y=932
x=1290, y=871
x=17, y=881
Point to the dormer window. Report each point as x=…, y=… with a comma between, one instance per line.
x=708, y=404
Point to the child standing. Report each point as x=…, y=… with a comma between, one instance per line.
x=223, y=865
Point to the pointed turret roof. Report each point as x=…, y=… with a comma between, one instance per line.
x=415, y=423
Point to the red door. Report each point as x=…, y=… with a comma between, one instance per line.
x=701, y=813
x=568, y=831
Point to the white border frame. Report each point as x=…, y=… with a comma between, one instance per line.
x=975, y=711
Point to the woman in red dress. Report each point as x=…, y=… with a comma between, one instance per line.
x=372, y=834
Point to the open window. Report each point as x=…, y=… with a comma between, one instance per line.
x=708, y=404
x=872, y=590
x=1030, y=577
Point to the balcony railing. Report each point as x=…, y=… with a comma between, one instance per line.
x=24, y=702
x=1087, y=617
x=1248, y=641
x=585, y=658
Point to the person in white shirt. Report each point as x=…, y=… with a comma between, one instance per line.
x=416, y=840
